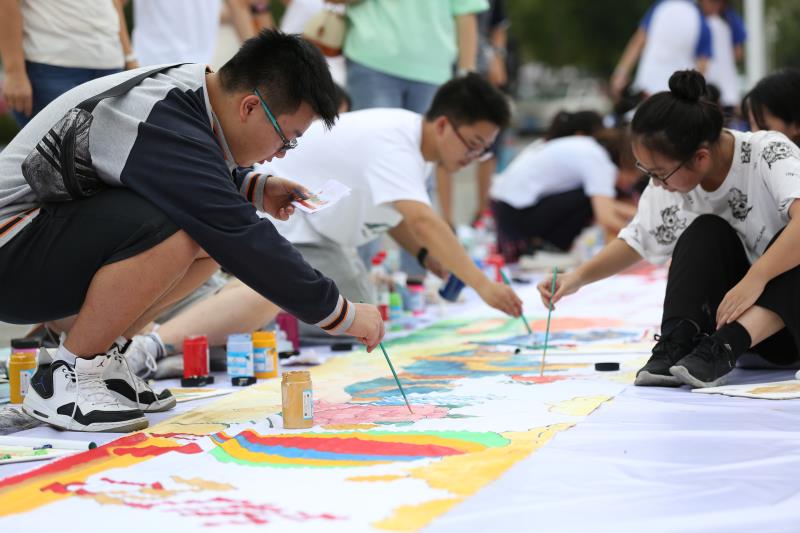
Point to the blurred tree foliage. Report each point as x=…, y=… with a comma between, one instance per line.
x=592, y=33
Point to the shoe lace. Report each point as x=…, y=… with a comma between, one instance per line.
x=666, y=346
x=136, y=380
x=92, y=387
x=712, y=350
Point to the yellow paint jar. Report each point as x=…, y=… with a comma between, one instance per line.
x=297, y=400
x=265, y=354
x=21, y=366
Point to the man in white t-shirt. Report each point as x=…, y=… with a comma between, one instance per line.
x=673, y=35
x=384, y=156
x=48, y=48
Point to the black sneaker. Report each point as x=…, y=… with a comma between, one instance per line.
x=707, y=365
x=669, y=349
x=76, y=399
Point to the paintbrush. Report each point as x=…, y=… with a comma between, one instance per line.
x=521, y=315
x=396, y=379
x=549, y=312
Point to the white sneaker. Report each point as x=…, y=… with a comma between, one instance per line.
x=78, y=399
x=142, y=354
x=130, y=389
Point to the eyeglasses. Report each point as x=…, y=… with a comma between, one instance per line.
x=650, y=175
x=481, y=153
x=287, y=144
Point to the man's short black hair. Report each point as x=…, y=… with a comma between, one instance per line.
x=287, y=70
x=470, y=99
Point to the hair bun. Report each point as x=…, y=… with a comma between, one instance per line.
x=687, y=85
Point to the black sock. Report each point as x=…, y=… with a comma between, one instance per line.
x=683, y=330
x=735, y=336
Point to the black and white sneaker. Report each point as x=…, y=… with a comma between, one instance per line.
x=669, y=349
x=130, y=389
x=76, y=399
x=708, y=365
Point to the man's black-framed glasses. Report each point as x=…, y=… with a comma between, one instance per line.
x=481, y=153
x=287, y=144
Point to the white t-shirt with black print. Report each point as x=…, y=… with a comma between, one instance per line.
x=754, y=199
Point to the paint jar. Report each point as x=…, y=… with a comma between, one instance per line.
x=288, y=323
x=240, y=359
x=493, y=266
x=265, y=354
x=195, y=362
x=416, y=297
x=297, y=400
x=395, y=306
x=451, y=289
x=21, y=366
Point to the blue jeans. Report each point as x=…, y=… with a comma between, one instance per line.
x=49, y=82
x=369, y=88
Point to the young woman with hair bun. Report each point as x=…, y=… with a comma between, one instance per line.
x=721, y=205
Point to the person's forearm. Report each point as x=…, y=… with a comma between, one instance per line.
x=124, y=36
x=434, y=234
x=784, y=254
x=444, y=191
x=241, y=19
x=11, y=37
x=702, y=65
x=467, y=28
x=404, y=236
x=631, y=54
x=614, y=258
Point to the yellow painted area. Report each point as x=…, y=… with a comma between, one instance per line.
x=199, y=484
x=414, y=517
x=371, y=479
x=580, y=406
x=793, y=387
x=28, y=495
x=483, y=467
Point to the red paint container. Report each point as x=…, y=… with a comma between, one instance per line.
x=288, y=323
x=195, y=362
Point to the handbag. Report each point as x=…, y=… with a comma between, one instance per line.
x=59, y=168
x=327, y=31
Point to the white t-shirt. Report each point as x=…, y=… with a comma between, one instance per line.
x=676, y=35
x=175, y=31
x=754, y=199
x=72, y=33
x=553, y=167
x=377, y=154
x=725, y=36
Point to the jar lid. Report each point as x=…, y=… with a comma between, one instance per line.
x=297, y=375
x=26, y=344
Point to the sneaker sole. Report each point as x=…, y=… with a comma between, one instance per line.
x=682, y=373
x=67, y=423
x=646, y=379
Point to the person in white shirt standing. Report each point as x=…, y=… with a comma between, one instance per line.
x=722, y=206
x=727, y=37
x=50, y=47
x=672, y=35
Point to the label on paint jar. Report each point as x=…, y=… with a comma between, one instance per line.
x=24, y=381
x=260, y=360
x=308, y=405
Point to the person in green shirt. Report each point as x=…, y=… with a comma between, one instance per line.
x=399, y=52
